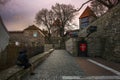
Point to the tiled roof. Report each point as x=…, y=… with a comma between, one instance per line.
x=15, y=31
x=32, y=27
x=87, y=12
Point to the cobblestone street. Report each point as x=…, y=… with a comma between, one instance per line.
x=60, y=40
x=57, y=65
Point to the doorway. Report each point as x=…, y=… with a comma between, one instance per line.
x=82, y=48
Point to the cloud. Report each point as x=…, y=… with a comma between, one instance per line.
x=22, y=12
x=3, y=2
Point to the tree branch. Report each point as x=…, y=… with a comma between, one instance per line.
x=83, y=5
x=105, y=4
x=109, y=2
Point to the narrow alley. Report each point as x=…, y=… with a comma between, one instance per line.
x=60, y=65
x=56, y=66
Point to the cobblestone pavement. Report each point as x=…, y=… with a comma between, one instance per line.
x=57, y=65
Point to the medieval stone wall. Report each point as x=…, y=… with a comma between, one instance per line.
x=71, y=46
x=106, y=41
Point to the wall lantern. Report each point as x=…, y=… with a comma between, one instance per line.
x=91, y=29
x=17, y=43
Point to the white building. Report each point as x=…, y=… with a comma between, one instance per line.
x=4, y=36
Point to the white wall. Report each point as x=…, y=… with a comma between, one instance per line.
x=69, y=45
x=4, y=37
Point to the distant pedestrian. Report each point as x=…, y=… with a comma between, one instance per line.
x=23, y=61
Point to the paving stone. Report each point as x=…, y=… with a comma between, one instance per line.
x=58, y=64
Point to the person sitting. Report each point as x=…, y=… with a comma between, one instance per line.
x=23, y=61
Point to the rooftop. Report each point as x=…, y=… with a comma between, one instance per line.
x=87, y=12
x=32, y=27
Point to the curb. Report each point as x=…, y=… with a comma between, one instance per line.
x=16, y=73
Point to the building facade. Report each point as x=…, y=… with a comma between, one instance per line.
x=86, y=18
x=105, y=42
x=72, y=33
x=31, y=36
x=74, y=36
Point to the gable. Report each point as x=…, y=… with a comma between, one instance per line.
x=87, y=12
x=34, y=28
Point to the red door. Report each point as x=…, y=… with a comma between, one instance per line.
x=83, y=47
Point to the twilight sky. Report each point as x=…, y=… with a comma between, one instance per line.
x=19, y=14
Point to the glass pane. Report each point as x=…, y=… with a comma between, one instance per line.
x=84, y=19
x=35, y=34
x=83, y=25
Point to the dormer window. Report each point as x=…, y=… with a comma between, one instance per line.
x=86, y=19
x=35, y=34
x=84, y=22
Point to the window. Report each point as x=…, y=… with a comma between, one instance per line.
x=84, y=20
x=35, y=34
x=17, y=43
x=83, y=25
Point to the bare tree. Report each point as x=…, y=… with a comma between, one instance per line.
x=56, y=27
x=109, y=3
x=83, y=5
x=64, y=13
x=98, y=8
x=46, y=18
x=101, y=6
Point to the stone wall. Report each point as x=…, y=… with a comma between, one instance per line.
x=106, y=41
x=38, y=40
x=16, y=36
x=71, y=46
x=18, y=73
x=48, y=47
x=26, y=38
